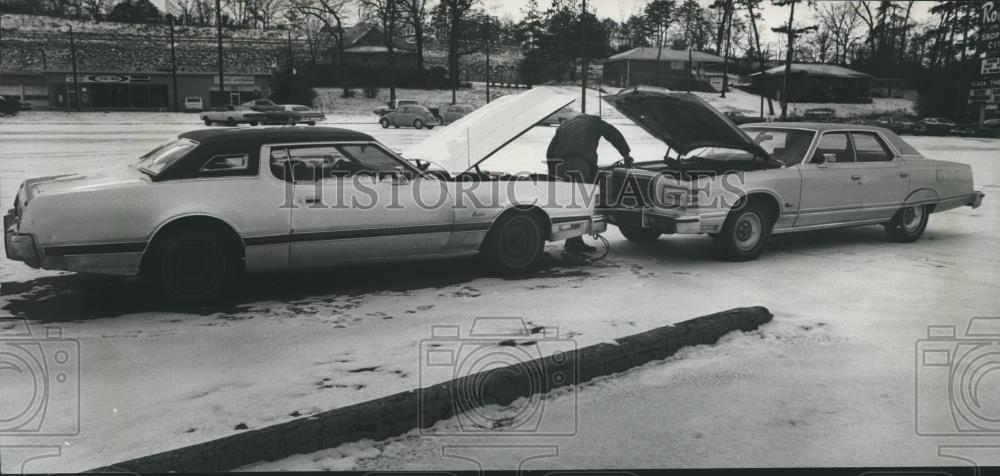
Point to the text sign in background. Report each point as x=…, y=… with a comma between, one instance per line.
x=986, y=88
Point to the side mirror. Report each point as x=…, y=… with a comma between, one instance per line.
x=400, y=176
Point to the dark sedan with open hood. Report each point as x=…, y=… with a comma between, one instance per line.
x=742, y=184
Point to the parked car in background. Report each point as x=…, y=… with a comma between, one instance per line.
x=262, y=105
x=291, y=114
x=232, y=115
x=415, y=116
x=990, y=128
x=204, y=207
x=821, y=114
x=740, y=185
x=559, y=117
x=455, y=112
x=393, y=105
x=193, y=104
x=739, y=118
x=897, y=124
x=938, y=126
x=964, y=130
x=9, y=106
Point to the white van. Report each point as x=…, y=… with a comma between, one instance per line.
x=193, y=104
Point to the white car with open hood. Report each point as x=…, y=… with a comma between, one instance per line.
x=741, y=184
x=195, y=212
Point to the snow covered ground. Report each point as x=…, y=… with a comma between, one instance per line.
x=829, y=382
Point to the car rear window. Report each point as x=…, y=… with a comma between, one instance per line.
x=158, y=159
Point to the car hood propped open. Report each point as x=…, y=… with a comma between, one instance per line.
x=475, y=137
x=683, y=121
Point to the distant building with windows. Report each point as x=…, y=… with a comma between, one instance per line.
x=815, y=83
x=667, y=68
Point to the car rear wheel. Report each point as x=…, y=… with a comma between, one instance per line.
x=638, y=234
x=192, y=265
x=290, y=122
x=515, y=243
x=230, y=122
x=418, y=124
x=908, y=224
x=745, y=233
x=311, y=123
x=253, y=123
x=208, y=122
x=384, y=122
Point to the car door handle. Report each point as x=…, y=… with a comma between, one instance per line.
x=855, y=177
x=904, y=174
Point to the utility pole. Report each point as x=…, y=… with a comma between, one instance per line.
x=173, y=63
x=218, y=27
x=72, y=57
x=583, y=59
x=291, y=58
x=487, y=59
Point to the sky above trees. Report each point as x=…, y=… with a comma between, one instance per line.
x=620, y=10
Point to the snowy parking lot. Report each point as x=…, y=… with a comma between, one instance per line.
x=829, y=382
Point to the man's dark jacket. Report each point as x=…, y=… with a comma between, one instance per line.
x=575, y=144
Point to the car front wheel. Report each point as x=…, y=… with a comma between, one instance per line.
x=638, y=234
x=384, y=122
x=745, y=233
x=192, y=265
x=230, y=122
x=208, y=122
x=515, y=243
x=908, y=224
x=418, y=124
x=311, y=123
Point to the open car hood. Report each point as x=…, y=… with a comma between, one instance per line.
x=684, y=122
x=472, y=139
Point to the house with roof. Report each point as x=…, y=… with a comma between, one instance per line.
x=815, y=83
x=365, y=53
x=666, y=68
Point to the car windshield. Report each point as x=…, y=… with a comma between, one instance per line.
x=158, y=159
x=788, y=146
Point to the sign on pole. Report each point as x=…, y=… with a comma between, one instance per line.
x=990, y=66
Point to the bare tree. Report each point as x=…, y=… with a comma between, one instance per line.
x=387, y=13
x=331, y=14
x=95, y=9
x=416, y=16
x=193, y=12
x=842, y=21
x=751, y=4
x=792, y=33
x=264, y=13
x=453, y=14
x=659, y=17
x=863, y=10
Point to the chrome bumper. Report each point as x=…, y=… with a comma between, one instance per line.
x=645, y=218
x=19, y=246
x=569, y=229
x=975, y=199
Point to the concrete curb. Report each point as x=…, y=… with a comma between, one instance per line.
x=397, y=414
